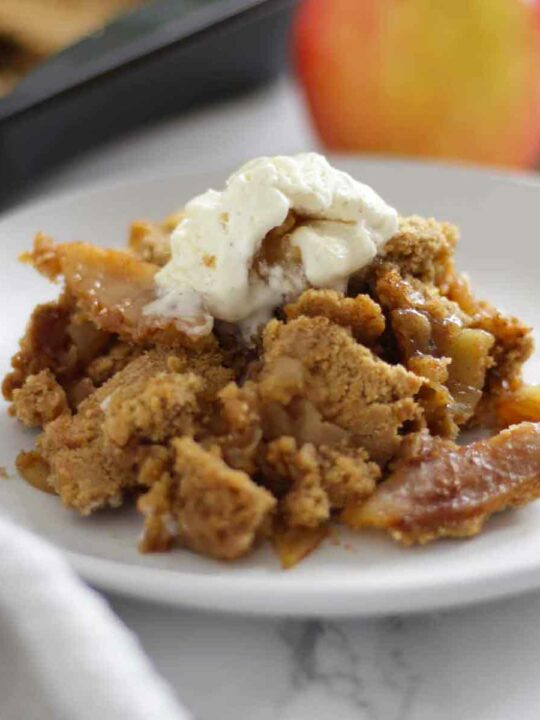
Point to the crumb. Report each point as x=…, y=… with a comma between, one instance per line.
x=317, y=481
x=361, y=314
x=306, y=504
x=40, y=400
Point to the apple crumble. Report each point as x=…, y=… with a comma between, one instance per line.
x=258, y=377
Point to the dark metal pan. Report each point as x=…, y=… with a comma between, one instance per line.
x=165, y=57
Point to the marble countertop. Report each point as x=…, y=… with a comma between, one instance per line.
x=476, y=664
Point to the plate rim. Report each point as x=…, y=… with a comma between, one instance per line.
x=306, y=598
x=526, y=178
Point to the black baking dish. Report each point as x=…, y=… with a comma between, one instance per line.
x=167, y=56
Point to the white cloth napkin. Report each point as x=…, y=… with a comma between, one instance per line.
x=63, y=653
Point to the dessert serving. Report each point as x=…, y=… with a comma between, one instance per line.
x=279, y=357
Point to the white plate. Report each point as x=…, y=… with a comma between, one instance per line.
x=366, y=574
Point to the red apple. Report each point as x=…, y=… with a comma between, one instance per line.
x=443, y=78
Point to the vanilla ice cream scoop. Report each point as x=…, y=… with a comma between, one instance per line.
x=331, y=224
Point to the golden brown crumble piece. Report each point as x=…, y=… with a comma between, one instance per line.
x=222, y=511
x=306, y=504
x=154, y=409
x=59, y=340
x=157, y=460
x=215, y=510
x=92, y=464
x=45, y=345
x=442, y=490
x=424, y=249
x=361, y=314
x=319, y=480
x=87, y=473
x=318, y=362
x=239, y=426
x=347, y=475
x=211, y=366
x=40, y=400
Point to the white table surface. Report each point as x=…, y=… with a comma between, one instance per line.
x=477, y=664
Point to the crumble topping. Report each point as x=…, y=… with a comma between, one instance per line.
x=343, y=408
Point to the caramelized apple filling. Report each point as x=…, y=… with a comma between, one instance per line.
x=112, y=288
x=442, y=490
x=426, y=324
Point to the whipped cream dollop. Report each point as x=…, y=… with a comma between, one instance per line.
x=329, y=224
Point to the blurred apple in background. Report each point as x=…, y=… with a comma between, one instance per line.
x=439, y=78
